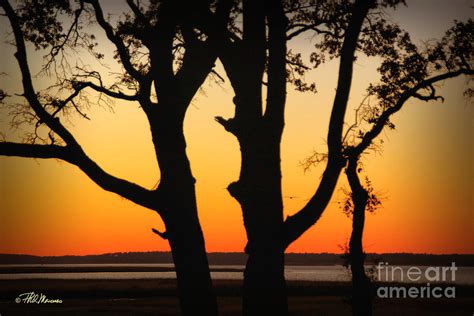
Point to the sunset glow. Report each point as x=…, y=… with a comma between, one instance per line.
x=424, y=174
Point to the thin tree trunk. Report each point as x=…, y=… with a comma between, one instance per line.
x=362, y=292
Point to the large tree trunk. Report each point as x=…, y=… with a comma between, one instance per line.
x=362, y=292
x=258, y=189
x=179, y=212
x=259, y=193
x=190, y=260
x=264, y=284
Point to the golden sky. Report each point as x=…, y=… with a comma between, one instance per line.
x=424, y=174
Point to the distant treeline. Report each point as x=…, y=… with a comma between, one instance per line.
x=237, y=258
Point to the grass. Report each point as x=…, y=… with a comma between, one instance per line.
x=159, y=297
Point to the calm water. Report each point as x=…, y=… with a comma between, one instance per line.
x=464, y=275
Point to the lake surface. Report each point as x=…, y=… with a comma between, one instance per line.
x=463, y=275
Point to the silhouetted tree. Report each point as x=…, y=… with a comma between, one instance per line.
x=167, y=49
x=258, y=189
x=164, y=62
x=359, y=200
x=406, y=72
x=345, y=28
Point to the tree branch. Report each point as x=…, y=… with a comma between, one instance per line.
x=302, y=28
x=276, y=91
x=122, y=50
x=29, y=91
x=385, y=116
x=200, y=58
x=73, y=152
x=298, y=223
x=309, y=27
x=66, y=101
x=129, y=190
x=431, y=96
x=228, y=124
x=163, y=235
x=161, y=54
x=138, y=13
x=124, y=188
x=32, y=150
x=99, y=88
x=229, y=44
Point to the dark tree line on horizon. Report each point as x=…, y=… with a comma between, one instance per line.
x=167, y=49
x=239, y=258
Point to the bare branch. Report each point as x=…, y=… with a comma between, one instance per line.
x=131, y=191
x=122, y=50
x=228, y=124
x=100, y=88
x=430, y=97
x=301, y=28
x=356, y=119
x=73, y=32
x=200, y=57
x=32, y=150
x=276, y=92
x=163, y=235
x=315, y=159
x=70, y=99
x=385, y=116
x=29, y=92
x=218, y=75
x=73, y=152
x=138, y=13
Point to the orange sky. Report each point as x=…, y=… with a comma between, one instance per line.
x=424, y=174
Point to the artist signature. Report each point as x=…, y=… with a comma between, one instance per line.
x=34, y=298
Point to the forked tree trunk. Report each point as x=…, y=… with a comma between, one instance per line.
x=258, y=189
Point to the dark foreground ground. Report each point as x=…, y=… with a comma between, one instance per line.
x=158, y=297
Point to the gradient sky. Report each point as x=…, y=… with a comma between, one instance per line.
x=424, y=174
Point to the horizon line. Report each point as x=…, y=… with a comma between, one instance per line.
x=243, y=253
